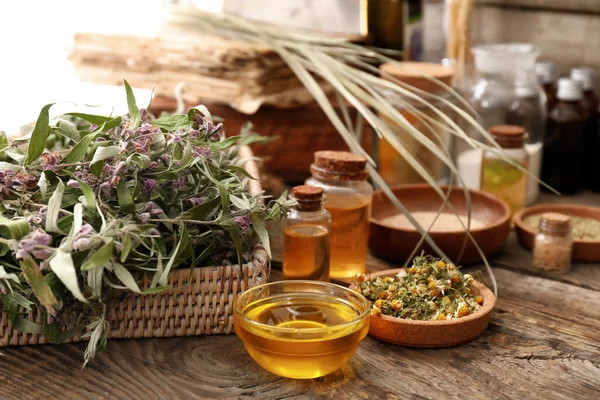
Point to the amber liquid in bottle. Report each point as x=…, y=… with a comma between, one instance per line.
x=349, y=236
x=306, y=252
x=506, y=181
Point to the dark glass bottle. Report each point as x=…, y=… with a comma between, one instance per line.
x=545, y=75
x=562, y=165
x=591, y=134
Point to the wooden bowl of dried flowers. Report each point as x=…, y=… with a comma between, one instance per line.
x=585, y=225
x=432, y=304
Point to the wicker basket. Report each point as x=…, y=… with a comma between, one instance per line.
x=199, y=303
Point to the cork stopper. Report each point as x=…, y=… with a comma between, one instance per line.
x=309, y=198
x=508, y=136
x=555, y=224
x=419, y=74
x=339, y=165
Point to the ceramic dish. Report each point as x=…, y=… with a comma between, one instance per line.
x=430, y=334
x=396, y=243
x=583, y=250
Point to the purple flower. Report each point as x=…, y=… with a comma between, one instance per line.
x=152, y=165
x=179, y=184
x=82, y=237
x=200, y=151
x=120, y=165
x=49, y=161
x=100, y=139
x=148, y=184
x=145, y=128
x=243, y=222
x=29, y=245
x=107, y=168
x=194, y=134
x=143, y=112
x=196, y=201
x=73, y=183
x=144, y=218
x=174, y=138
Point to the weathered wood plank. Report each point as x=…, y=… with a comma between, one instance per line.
x=543, y=342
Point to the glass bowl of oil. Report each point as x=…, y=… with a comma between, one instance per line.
x=301, y=329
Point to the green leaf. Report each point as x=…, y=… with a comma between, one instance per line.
x=126, y=278
x=15, y=300
x=94, y=119
x=62, y=265
x=125, y=198
x=3, y=140
x=51, y=332
x=224, y=194
x=223, y=144
x=10, y=166
x=16, y=154
x=155, y=290
x=171, y=123
x=140, y=160
x=55, y=284
x=199, y=109
x=5, y=275
x=127, y=245
x=205, y=210
x=94, y=281
x=13, y=228
x=37, y=143
x=208, y=250
x=43, y=185
x=134, y=111
x=101, y=257
x=24, y=325
x=241, y=171
x=68, y=130
x=79, y=150
x=183, y=239
x=38, y=284
x=101, y=154
x=54, y=205
x=261, y=232
x=108, y=125
x=237, y=242
x=151, y=99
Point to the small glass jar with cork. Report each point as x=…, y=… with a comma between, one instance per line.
x=501, y=177
x=343, y=177
x=306, y=236
x=553, y=244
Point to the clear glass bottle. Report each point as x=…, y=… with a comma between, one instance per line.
x=343, y=177
x=562, y=166
x=553, y=243
x=507, y=92
x=394, y=168
x=306, y=236
x=498, y=176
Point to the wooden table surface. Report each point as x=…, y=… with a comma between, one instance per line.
x=543, y=342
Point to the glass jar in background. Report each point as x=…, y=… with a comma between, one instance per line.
x=498, y=176
x=553, y=244
x=392, y=166
x=343, y=177
x=306, y=236
x=562, y=166
x=591, y=139
x=546, y=77
x=506, y=92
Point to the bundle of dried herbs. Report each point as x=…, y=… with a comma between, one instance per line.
x=429, y=290
x=91, y=204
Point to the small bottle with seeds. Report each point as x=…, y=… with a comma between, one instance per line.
x=306, y=236
x=343, y=177
x=553, y=243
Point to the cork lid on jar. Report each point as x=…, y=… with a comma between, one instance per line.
x=309, y=198
x=555, y=223
x=508, y=136
x=339, y=165
x=419, y=74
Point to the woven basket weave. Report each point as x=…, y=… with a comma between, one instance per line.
x=200, y=301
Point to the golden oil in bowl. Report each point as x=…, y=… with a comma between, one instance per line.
x=301, y=329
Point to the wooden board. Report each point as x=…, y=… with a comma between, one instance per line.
x=543, y=342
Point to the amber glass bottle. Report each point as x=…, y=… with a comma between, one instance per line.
x=562, y=165
x=343, y=177
x=591, y=135
x=306, y=236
